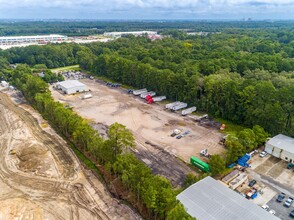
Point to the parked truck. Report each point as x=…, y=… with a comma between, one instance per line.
x=139, y=92
x=170, y=105
x=151, y=93
x=189, y=110
x=156, y=99
x=179, y=106
x=175, y=132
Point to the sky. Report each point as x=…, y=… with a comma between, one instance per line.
x=147, y=9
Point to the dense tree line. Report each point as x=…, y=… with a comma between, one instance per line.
x=155, y=193
x=80, y=28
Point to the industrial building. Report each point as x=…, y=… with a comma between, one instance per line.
x=209, y=199
x=32, y=39
x=71, y=86
x=281, y=146
x=135, y=33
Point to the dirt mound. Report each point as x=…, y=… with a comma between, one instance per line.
x=31, y=158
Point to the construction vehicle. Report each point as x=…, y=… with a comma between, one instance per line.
x=179, y=106
x=139, y=92
x=175, y=132
x=151, y=93
x=204, y=153
x=156, y=99
x=188, y=110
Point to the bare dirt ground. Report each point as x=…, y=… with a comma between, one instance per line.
x=151, y=126
x=40, y=177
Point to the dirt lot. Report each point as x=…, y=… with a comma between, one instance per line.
x=40, y=177
x=151, y=125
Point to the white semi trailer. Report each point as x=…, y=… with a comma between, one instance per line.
x=159, y=98
x=179, y=106
x=139, y=92
x=170, y=105
x=189, y=110
x=151, y=93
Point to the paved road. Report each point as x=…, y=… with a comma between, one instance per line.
x=272, y=183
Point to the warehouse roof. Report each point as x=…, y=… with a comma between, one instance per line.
x=70, y=84
x=31, y=37
x=283, y=142
x=209, y=199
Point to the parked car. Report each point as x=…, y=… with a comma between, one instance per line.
x=265, y=207
x=252, y=183
x=281, y=197
x=273, y=212
x=289, y=202
x=292, y=214
x=263, y=154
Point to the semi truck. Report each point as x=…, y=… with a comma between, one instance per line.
x=139, y=92
x=156, y=99
x=151, y=93
x=179, y=106
x=188, y=110
x=200, y=164
x=170, y=105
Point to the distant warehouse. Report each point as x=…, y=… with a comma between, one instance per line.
x=32, y=39
x=281, y=146
x=71, y=86
x=209, y=199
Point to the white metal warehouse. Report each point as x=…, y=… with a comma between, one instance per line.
x=209, y=199
x=281, y=146
x=72, y=86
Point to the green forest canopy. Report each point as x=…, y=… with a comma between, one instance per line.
x=243, y=75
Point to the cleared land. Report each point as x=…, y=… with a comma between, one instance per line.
x=151, y=126
x=40, y=177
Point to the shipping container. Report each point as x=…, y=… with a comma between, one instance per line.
x=139, y=92
x=200, y=164
x=189, y=110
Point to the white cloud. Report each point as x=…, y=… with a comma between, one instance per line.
x=165, y=7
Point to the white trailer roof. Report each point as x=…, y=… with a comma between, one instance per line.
x=283, y=142
x=209, y=199
x=31, y=37
x=70, y=84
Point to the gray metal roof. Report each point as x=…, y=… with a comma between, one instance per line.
x=70, y=84
x=209, y=199
x=283, y=142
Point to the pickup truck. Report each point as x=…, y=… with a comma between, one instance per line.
x=183, y=135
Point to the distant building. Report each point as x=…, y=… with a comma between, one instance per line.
x=71, y=86
x=209, y=199
x=135, y=33
x=32, y=39
x=282, y=147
